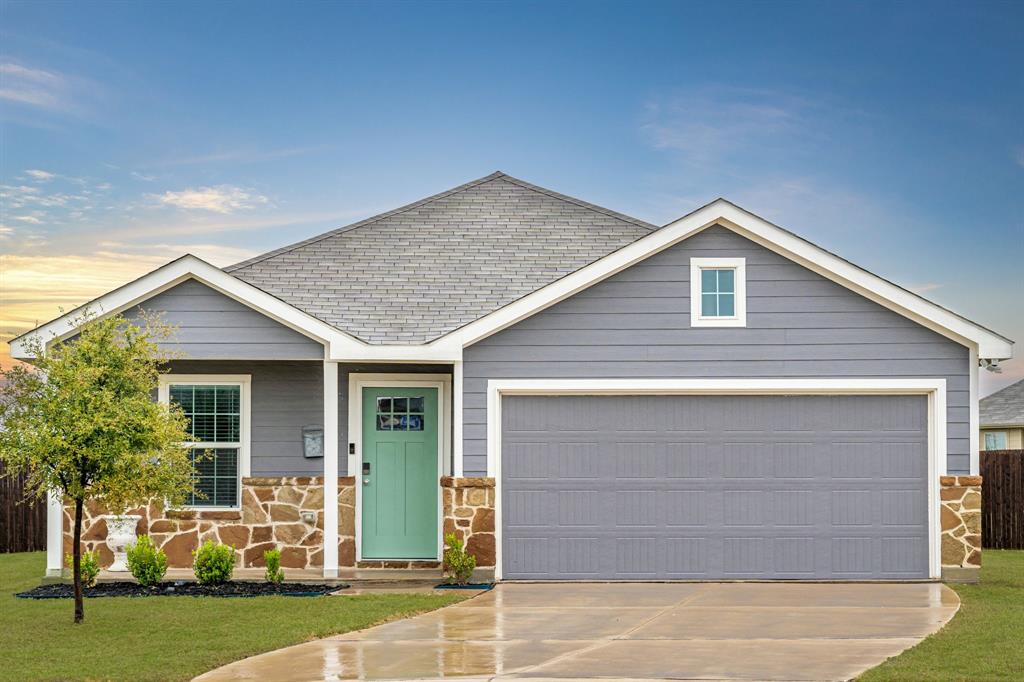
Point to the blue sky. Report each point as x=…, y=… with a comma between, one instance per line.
x=890, y=133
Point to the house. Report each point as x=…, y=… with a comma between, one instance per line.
x=579, y=394
x=1002, y=419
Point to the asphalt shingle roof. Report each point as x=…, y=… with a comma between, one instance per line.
x=416, y=273
x=1004, y=407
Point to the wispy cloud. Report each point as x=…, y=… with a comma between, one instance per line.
x=220, y=199
x=1018, y=156
x=217, y=254
x=143, y=176
x=32, y=86
x=40, y=175
x=717, y=124
x=763, y=148
x=31, y=219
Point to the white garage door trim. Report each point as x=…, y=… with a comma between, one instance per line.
x=935, y=389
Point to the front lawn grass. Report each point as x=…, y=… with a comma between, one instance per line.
x=167, y=638
x=984, y=641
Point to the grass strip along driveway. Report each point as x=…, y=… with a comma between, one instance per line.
x=167, y=638
x=984, y=641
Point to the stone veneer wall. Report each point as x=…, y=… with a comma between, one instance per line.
x=960, y=510
x=468, y=505
x=271, y=516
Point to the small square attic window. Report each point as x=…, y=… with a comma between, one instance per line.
x=718, y=292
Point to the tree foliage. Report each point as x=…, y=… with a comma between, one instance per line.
x=84, y=420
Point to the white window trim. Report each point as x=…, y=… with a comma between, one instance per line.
x=245, y=382
x=357, y=381
x=739, y=266
x=934, y=389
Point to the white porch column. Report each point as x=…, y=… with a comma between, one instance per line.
x=330, y=469
x=457, y=419
x=54, y=535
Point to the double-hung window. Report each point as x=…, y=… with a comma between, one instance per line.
x=217, y=408
x=718, y=292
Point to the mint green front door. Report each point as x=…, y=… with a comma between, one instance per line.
x=399, y=473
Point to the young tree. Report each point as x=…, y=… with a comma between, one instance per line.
x=84, y=422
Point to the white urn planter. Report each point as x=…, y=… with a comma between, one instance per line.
x=120, y=535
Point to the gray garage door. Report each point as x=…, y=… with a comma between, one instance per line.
x=704, y=487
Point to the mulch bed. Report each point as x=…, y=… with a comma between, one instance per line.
x=183, y=589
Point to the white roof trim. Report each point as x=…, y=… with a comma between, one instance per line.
x=174, y=273
x=989, y=344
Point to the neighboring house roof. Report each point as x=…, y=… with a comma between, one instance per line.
x=422, y=282
x=416, y=273
x=1004, y=407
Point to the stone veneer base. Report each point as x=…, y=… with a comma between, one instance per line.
x=960, y=523
x=270, y=517
x=468, y=505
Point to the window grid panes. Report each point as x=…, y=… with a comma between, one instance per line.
x=718, y=292
x=400, y=413
x=214, y=416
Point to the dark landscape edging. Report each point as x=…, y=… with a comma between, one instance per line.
x=184, y=589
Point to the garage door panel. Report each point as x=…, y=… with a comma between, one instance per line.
x=800, y=498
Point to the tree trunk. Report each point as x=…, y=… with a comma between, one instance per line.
x=76, y=552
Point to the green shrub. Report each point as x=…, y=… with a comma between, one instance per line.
x=458, y=564
x=88, y=569
x=272, y=557
x=147, y=563
x=214, y=563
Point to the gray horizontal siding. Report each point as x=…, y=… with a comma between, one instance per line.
x=636, y=324
x=212, y=326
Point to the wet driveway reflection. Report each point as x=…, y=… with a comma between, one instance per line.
x=628, y=631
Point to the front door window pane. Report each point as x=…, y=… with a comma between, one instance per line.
x=400, y=414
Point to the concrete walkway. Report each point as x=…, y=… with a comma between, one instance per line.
x=744, y=631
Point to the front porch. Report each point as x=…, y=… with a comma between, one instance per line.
x=288, y=475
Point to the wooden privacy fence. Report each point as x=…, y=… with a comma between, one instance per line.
x=22, y=521
x=1002, y=499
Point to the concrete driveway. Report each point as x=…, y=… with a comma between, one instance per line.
x=740, y=631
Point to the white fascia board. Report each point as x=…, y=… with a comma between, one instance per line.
x=177, y=271
x=989, y=344
x=443, y=350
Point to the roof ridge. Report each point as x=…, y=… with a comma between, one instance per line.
x=435, y=197
x=366, y=221
x=580, y=202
